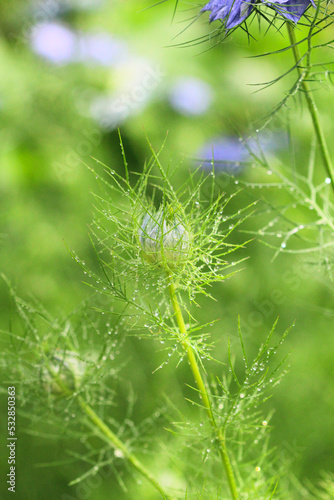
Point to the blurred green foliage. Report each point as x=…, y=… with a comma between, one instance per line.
x=48, y=137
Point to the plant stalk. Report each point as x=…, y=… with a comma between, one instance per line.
x=219, y=433
x=119, y=445
x=116, y=443
x=313, y=110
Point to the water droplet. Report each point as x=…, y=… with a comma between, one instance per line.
x=283, y=245
x=328, y=180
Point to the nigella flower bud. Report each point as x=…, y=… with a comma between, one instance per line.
x=164, y=238
x=63, y=373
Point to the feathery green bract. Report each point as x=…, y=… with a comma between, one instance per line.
x=138, y=283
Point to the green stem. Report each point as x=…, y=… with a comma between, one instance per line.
x=303, y=73
x=116, y=443
x=119, y=445
x=219, y=433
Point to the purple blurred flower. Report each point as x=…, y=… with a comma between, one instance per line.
x=55, y=42
x=234, y=12
x=231, y=154
x=100, y=48
x=227, y=154
x=190, y=96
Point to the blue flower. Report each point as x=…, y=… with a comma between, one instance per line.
x=291, y=9
x=190, y=96
x=101, y=48
x=234, y=11
x=227, y=153
x=231, y=154
x=54, y=41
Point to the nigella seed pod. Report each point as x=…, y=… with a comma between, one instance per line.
x=63, y=373
x=163, y=238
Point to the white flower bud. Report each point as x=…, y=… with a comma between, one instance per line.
x=164, y=239
x=63, y=373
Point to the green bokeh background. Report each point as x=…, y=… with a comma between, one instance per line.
x=47, y=139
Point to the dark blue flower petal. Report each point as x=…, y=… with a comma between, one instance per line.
x=234, y=11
